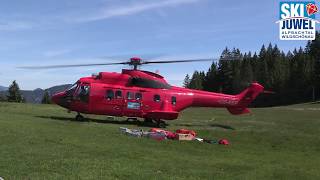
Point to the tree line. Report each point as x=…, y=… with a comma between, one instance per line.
x=294, y=77
x=14, y=95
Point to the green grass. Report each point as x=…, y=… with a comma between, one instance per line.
x=40, y=142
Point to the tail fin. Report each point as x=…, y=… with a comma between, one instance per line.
x=245, y=98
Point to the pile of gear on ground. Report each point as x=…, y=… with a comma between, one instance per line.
x=180, y=134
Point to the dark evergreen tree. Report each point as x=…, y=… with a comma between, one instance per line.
x=186, y=81
x=246, y=72
x=46, y=98
x=211, y=79
x=293, y=76
x=196, y=81
x=225, y=71
x=14, y=93
x=313, y=50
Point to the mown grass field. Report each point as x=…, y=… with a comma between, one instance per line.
x=41, y=142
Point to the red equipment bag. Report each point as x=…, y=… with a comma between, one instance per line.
x=223, y=142
x=186, y=131
x=169, y=134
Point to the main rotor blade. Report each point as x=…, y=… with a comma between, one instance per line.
x=70, y=65
x=177, y=61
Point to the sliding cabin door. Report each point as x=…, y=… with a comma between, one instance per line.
x=133, y=103
x=114, y=102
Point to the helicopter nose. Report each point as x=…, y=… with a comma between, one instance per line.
x=56, y=98
x=60, y=99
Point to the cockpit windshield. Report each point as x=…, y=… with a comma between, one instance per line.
x=70, y=91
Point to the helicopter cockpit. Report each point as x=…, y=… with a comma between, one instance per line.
x=79, y=91
x=70, y=91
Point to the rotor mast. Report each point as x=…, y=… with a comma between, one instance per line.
x=135, y=62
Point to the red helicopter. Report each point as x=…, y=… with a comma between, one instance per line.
x=137, y=93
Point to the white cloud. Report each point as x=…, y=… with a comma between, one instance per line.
x=110, y=12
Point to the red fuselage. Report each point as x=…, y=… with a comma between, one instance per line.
x=135, y=93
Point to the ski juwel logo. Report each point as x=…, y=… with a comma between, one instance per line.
x=297, y=20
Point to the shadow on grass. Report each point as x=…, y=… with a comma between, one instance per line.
x=107, y=121
x=316, y=102
x=222, y=126
x=208, y=125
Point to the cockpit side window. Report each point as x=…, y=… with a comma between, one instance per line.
x=84, y=92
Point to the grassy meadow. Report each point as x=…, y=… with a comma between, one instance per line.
x=42, y=142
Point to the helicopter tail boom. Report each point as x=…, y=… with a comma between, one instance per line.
x=245, y=98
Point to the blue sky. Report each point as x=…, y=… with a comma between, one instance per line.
x=44, y=32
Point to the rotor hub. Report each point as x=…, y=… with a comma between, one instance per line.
x=135, y=62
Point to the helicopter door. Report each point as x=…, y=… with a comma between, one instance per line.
x=114, y=102
x=82, y=96
x=133, y=104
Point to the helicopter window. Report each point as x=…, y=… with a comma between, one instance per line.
x=71, y=89
x=84, y=93
x=148, y=83
x=109, y=95
x=156, y=98
x=173, y=100
x=118, y=94
x=130, y=95
x=138, y=96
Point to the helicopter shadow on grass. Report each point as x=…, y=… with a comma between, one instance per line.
x=316, y=102
x=208, y=125
x=106, y=121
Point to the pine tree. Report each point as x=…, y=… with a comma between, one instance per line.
x=211, y=79
x=46, y=98
x=186, y=81
x=294, y=76
x=202, y=77
x=313, y=49
x=225, y=71
x=196, y=81
x=246, y=73
x=14, y=93
x=263, y=73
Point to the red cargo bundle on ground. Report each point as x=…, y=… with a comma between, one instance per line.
x=169, y=134
x=186, y=131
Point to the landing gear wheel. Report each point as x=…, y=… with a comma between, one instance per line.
x=79, y=117
x=161, y=124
